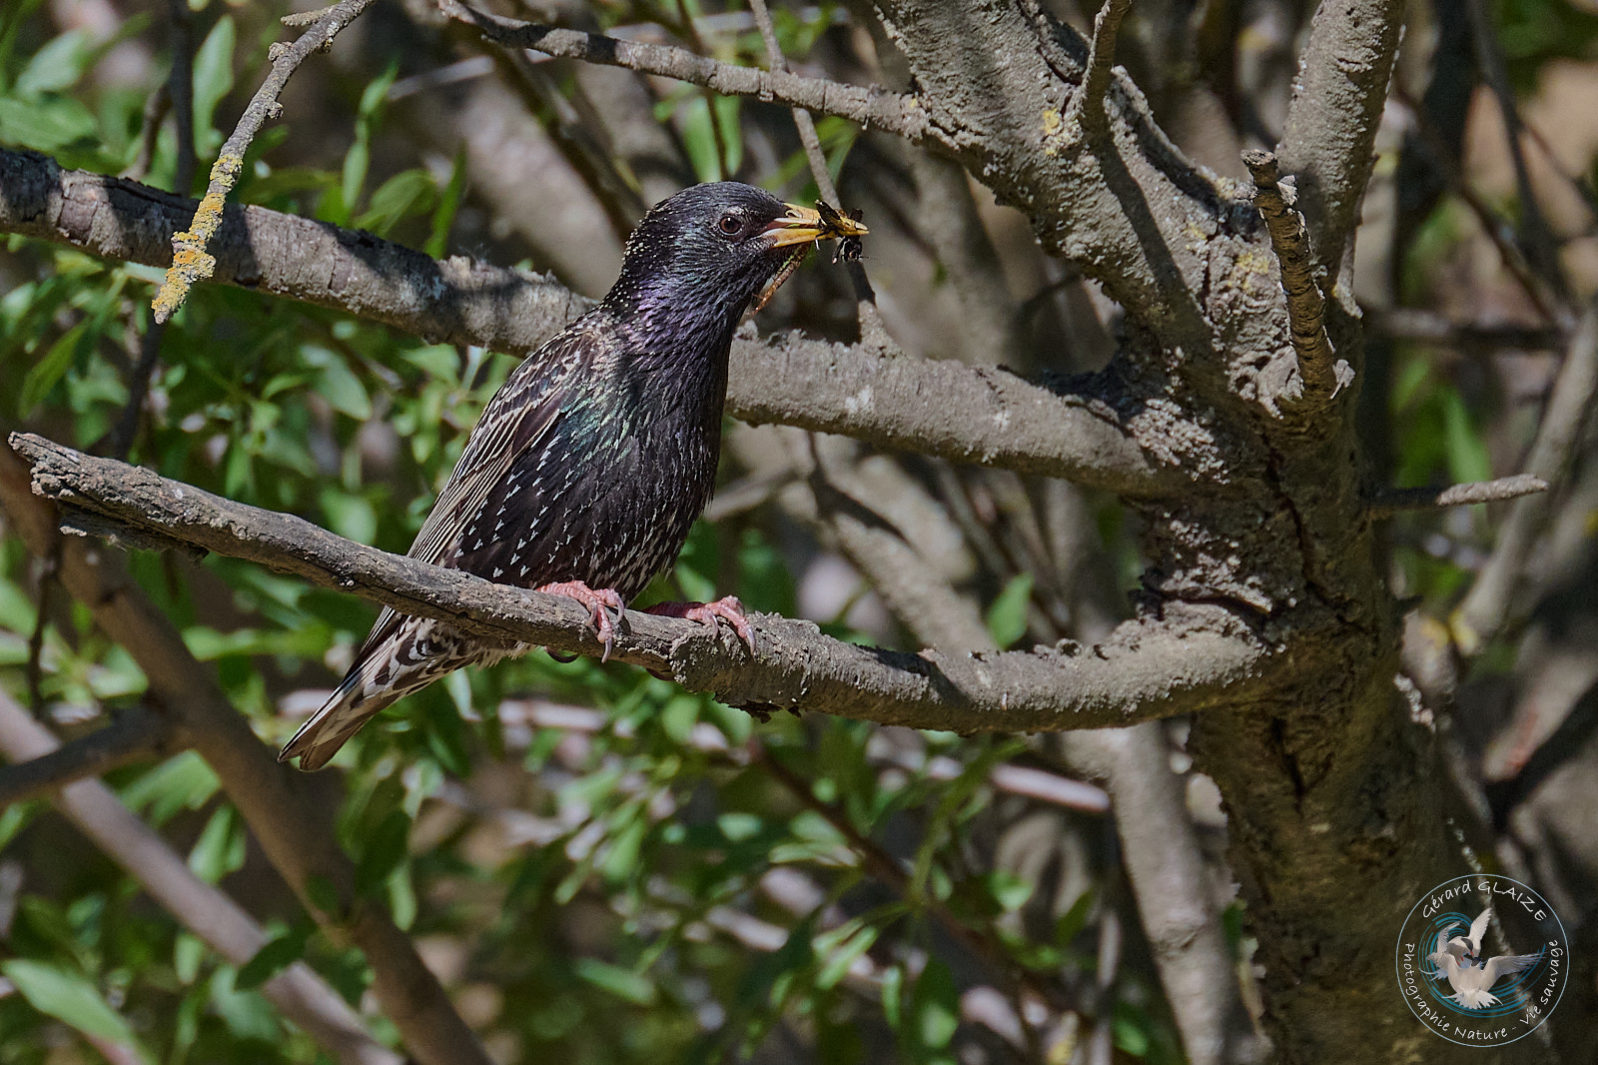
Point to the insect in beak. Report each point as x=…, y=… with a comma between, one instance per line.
x=802, y=225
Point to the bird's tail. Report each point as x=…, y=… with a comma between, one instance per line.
x=1473, y=999
x=409, y=656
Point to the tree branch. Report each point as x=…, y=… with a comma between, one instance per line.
x=204, y=910
x=132, y=737
x=1332, y=118
x=869, y=107
x=1146, y=670
x=1318, y=368
x=190, y=260
x=1397, y=500
x=1160, y=849
x=1071, y=429
x=1087, y=104
x=1487, y=607
x=294, y=834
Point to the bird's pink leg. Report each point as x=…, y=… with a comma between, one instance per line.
x=599, y=601
x=727, y=609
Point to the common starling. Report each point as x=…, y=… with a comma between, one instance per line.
x=590, y=463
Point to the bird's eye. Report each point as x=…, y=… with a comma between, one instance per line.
x=731, y=225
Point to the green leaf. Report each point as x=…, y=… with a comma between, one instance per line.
x=1007, y=615
x=273, y=957
x=343, y=390
x=1072, y=921
x=408, y=192
x=1009, y=890
x=322, y=895
x=727, y=109
x=623, y=983
x=384, y=852
x=699, y=139
x=213, y=71
x=179, y=783
x=1467, y=451
x=220, y=848
x=934, y=1007
x=72, y=999
x=843, y=955
x=449, y=202
x=56, y=66
x=356, y=162
x=48, y=124
x=48, y=371
x=188, y=952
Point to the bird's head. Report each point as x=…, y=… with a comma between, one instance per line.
x=700, y=259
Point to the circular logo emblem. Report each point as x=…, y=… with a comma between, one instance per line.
x=1482, y=960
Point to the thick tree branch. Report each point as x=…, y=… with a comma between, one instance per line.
x=295, y=836
x=190, y=260
x=869, y=107
x=1146, y=670
x=204, y=910
x=134, y=736
x=938, y=408
x=1332, y=118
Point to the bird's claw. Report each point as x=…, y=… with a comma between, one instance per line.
x=728, y=608
x=600, y=602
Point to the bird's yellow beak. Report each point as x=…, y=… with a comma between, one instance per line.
x=802, y=225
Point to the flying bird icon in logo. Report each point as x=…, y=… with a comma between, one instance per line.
x=1459, y=961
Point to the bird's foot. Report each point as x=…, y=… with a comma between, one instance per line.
x=727, y=609
x=600, y=602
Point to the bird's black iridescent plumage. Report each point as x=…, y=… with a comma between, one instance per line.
x=599, y=451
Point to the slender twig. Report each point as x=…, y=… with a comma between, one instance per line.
x=180, y=26
x=203, y=909
x=156, y=106
x=49, y=569
x=1150, y=668
x=120, y=441
x=1429, y=327
x=1087, y=104
x=179, y=89
x=1487, y=607
x=1492, y=224
x=1535, y=235
x=135, y=736
x=873, y=331
x=1395, y=500
x=191, y=262
x=801, y=117
x=884, y=111
x=1321, y=372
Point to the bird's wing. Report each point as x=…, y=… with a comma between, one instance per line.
x=1478, y=929
x=519, y=415
x=1507, y=965
x=515, y=419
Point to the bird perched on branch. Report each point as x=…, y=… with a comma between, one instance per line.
x=588, y=466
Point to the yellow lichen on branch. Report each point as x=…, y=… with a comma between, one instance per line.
x=190, y=261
